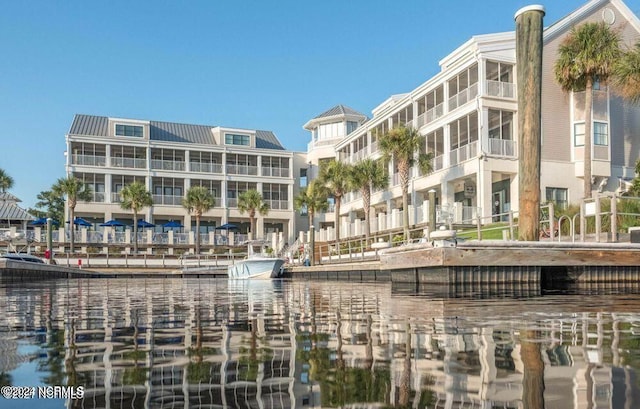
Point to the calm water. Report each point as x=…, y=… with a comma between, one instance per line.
x=213, y=343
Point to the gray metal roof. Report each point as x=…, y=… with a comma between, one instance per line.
x=89, y=125
x=173, y=132
x=340, y=110
x=9, y=210
x=9, y=197
x=92, y=125
x=267, y=140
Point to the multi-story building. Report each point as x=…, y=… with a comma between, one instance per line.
x=169, y=158
x=467, y=114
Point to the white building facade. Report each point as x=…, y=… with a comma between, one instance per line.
x=467, y=114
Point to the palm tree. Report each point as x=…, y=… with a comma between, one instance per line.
x=74, y=189
x=401, y=145
x=626, y=74
x=313, y=198
x=587, y=55
x=136, y=197
x=198, y=201
x=251, y=202
x=365, y=176
x=6, y=181
x=635, y=183
x=335, y=176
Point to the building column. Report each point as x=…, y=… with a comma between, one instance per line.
x=107, y=189
x=187, y=165
x=484, y=190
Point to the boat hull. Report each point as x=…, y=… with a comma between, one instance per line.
x=256, y=268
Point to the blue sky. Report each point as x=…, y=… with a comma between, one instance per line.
x=249, y=64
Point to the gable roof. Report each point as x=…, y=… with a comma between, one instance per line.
x=9, y=210
x=92, y=125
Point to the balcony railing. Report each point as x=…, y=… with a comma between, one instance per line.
x=205, y=167
x=501, y=89
x=373, y=147
x=429, y=116
x=463, y=153
x=115, y=198
x=97, y=197
x=503, y=147
x=242, y=170
x=232, y=202
x=323, y=142
x=277, y=204
x=136, y=163
x=395, y=179
x=358, y=156
x=275, y=172
x=463, y=97
x=167, y=200
x=89, y=160
x=437, y=163
x=161, y=164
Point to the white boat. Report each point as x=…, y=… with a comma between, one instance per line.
x=256, y=266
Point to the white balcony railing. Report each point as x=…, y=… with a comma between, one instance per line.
x=232, y=202
x=429, y=116
x=437, y=163
x=161, y=164
x=205, y=167
x=503, y=147
x=463, y=97
x=463, y=153
x=501, y=89
x=97, y=197
x=277, y=204
x=275, y=172
x=88, y=160
x=167, y=200
x=135, y=163
x=242, y=170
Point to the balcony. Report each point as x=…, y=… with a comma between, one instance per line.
x=501, y=89
x=323, y=142
x=88, y=160
x=358, y=156
x=205, y=167
x=115, y=198
x=503, y=147
x=275, y=172
x=242, y=170
x=161, y=164
x=463, y=153
x=277, y=204
x=97, y=197
x=134, y=163
x=429, y=116
x=232, y=202
x=167, y=200
x=437, y=163
x=464, y=96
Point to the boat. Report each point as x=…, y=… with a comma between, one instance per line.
x=256, y=266
x=21, y=257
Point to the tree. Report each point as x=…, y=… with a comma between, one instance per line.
x=251, y=202
x=635, y=183
x=198, y=201
x=6, y=181
x=626, y=74
x=586, y=56
x=365, y=176
x=74, y=189
x=313, y=198
x=49, y=204
x=335, y=176
x=401, y=145
x=135, y=197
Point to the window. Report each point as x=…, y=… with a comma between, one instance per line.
x=234, y=139
x=129, y=130
x=558, y=196
x=351, y=126
x=600, y=133
x=578, y=134
x=303, y=177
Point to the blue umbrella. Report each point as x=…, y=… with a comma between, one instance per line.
x=173, y=224
x=143, y=224
x=79, y=221
x=42, y=221
x=112, y=223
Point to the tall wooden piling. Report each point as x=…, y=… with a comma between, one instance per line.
x=529, y=29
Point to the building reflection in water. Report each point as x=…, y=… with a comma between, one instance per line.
x=213, y=343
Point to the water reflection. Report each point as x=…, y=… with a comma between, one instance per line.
x=213, y=343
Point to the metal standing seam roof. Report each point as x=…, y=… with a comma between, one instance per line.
x=340, y=110
x=9, y=210
x=92, y=125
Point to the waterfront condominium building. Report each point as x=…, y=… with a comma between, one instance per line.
x=169, y=158
x=467, y=114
